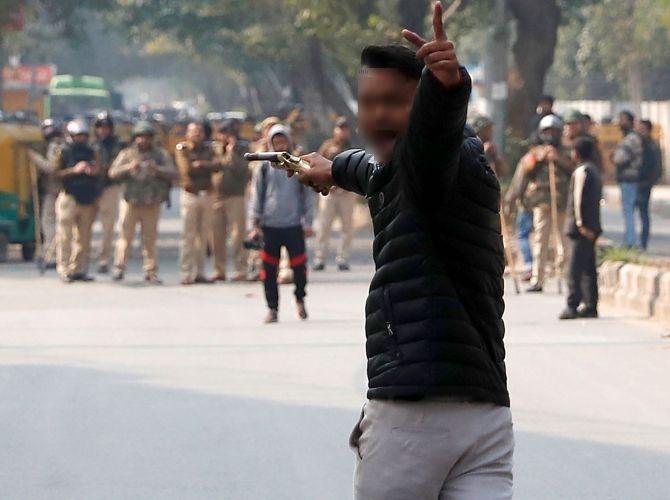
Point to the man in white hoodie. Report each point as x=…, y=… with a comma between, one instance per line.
x=280, y=211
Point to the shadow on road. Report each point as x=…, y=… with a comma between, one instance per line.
x=84, y=433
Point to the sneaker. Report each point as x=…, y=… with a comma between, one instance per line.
x=152, y=279
x=271, y=317
x=118, y=275
x=587, y=312
x=534, y=289
x=319, y=266
x=103, y=269
x=219, y=277
x=569, y=313
x=201, y=280
x=302, y=311
x=343, y=266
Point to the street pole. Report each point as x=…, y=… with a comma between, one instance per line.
x=498, y=77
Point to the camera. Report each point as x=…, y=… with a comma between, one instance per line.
x=255, y=243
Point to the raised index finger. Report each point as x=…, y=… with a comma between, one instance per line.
x=438, y=27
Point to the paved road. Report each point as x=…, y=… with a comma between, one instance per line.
x=130, y=391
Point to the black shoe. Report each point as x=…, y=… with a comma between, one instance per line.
x=50, y=265
x=103, y=269
x=82, y=277
x=534, y=289
x=68, y=278
x=271, y=317
x=587, y=312
x=569, y=313
x=302, y=311
x=343, y=266
x=319, y=266
x=118, y=275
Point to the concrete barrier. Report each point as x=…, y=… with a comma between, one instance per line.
x=662, y=302
x=608, y=281
x=638, y=289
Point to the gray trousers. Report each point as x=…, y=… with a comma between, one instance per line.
x=433, y=450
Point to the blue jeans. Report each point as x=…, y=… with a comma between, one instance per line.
x=643, y=195
x=628, y=202
x=524, y=224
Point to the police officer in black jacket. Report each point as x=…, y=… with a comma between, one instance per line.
x=437, y=423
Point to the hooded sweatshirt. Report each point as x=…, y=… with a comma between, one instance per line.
x=278, y=201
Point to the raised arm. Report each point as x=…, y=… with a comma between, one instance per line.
x=431, y=146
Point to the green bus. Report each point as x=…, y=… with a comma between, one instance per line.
x=71, y=95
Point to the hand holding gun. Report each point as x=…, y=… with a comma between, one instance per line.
x=281, y=160
x=294, y=165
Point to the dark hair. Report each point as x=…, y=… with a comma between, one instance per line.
x=647, y=123
x=396, y=57
x=586, y=116
x=585, y=148
x=546, y=98
x=627, y=114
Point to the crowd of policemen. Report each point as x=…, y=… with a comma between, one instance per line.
x=546, y=189
x=93, y=174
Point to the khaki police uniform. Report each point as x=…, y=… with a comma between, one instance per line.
x=197, y=198
x=108, y=204
x=76, y=209
x=229, y=211
x=144, y=189
x=537, y=197
x=339, y=204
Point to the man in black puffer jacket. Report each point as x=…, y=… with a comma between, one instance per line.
x=437, y=423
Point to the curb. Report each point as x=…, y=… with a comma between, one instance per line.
x=641, y=290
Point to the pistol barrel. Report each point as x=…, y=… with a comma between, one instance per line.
x=269, y=156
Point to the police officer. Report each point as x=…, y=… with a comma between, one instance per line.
x=76, y=205
x=147, y=172
x=339, y=204
x=196, y=160
x=536, y=191
x=107, y=146
x=50, y=187
x=229, y=208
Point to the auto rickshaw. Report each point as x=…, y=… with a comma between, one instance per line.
x=17, y=188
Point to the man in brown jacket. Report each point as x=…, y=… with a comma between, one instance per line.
x=229, y=217
x=147, y=172
x=196, y=160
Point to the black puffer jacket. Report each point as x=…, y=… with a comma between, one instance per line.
x=434, y=313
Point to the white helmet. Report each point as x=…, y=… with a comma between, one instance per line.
x=77, y=127
x=550, y=121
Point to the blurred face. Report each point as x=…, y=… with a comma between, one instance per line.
x=544, y=107
x=342, y=134
x=143, y=141
x=644, y=130
x=551, y=136
x=103, y=131
x=195, y=133
x=625, y=122
x=573, y=129
x=486, y=134
x=385, y=98
x=80, y=138
x=280, y=143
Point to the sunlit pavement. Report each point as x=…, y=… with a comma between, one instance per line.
x=134, y=391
